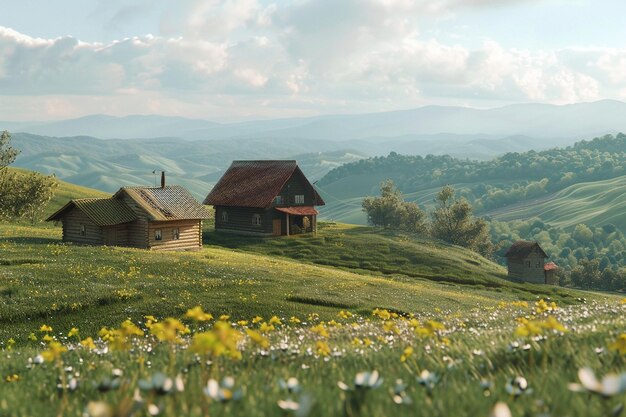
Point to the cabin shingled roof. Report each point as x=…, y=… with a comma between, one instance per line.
x=523, y=248
x=171, y=202
x=255, y=183
x=101, y=211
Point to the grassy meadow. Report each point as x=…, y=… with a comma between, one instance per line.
x=98, y=331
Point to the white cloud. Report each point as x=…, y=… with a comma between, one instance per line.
x=232, y=58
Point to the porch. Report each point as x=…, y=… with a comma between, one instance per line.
x=295, y=220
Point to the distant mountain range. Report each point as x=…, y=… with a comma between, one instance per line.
x=542, y=121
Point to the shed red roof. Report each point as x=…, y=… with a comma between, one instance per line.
x=550, y=266
x=299, y=211
x=254, y=184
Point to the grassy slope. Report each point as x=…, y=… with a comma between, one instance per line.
x=88, y=287
x=593, y=203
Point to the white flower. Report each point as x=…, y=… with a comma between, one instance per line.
x=610, y=385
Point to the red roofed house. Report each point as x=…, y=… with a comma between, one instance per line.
x=526, y=262
x=157, y=218
x=264, y=198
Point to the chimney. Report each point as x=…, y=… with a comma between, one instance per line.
x=162, y=179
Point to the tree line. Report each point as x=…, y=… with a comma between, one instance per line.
x=451, y=220
x=22, y=195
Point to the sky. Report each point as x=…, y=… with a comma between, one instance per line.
x=232, y=60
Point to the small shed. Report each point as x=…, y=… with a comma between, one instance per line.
x=526, y=261
x=550, y=269
x=264, y=198
x=156, y=218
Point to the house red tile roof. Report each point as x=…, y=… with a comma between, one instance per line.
x=299, y=211
x=550, y=266
x=254, y=184
x=523, y=248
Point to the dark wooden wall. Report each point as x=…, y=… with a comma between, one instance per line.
x=71, y=229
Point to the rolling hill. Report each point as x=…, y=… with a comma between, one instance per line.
x=594, y=203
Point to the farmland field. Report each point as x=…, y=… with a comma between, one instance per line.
x=457, y=337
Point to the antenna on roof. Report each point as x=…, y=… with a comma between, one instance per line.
x=154, y=171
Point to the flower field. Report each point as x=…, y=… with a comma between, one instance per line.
x=105, y=332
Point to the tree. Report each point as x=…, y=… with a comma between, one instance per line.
x=21, y=195
x=392, y=212
x=586, y=274
x=453, y=222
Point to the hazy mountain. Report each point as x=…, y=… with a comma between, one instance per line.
x=541, y=121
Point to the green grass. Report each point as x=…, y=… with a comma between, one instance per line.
x=593, y=203
x=45, y=282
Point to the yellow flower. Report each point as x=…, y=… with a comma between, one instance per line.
x=333, y=323
x=528, y=328
x=224, y=317
x=322, y=348
x=47, y=338
x=381, y=313
x=45, y=328
x=367, y=342
x=406, y=354
x=320, y=330
x=294, y=320
x=88, y=343
x=169, y=330
x=430, y=328
x=73, y=332
x=222, y=340
x=55, y=349
x=258, y=338
x=266, y=328
x=32, y=337
x=552, y=324
x=623, y=301
x=414, y=323
x=197, y=314
x=357, y=342
x=619, y=344
x=275, y=320
x=343, y=314
x=12, y=378
x=10, y=343
x=257, y=319
x=390, y=327
x=542, y=306
x=523, y=304
x=242, y=323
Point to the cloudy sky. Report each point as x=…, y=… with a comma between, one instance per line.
x=228, y=60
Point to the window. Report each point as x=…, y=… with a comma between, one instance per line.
x=299, y=199
x=256, y=220
x=224, y=216
x=176, y=233
x=528, y=264
x=278, y=200
x=83, y=230
x=158, y=235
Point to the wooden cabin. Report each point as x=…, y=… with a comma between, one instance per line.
x=526, y=261
x=266, y=198
x=156, y=218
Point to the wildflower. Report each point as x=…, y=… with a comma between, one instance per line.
x=257, y=319
x=10, y=343
x=47, y=338
x=294, y=320
x=88, y=343
x=528, y=328
x=242, y=323
x=32, y=337
x=224, y=317
x=12, y=378
x=54, y=351
x=610, y=385
x=169, y=330
x=390, y=327
x=363, y=381
x=291, y=385
x=428, y=379
x=357, y=342
x=552, y=324
x=518, y=386
x=500, y=410
x=406, y=354
x=300, y=408
x=320, y=330
x=523, y=304
x=333, y=323
x=73, y=332
x=45, y=329
x=399, y=393
x=343, y=314
x=258, y=338
x=430, y=328
x=619, y=344
x=161, y=384
x=382, y=313
x=196, y=314
x=322, y=348
x=221, y=340
x=266, y=328
x=223, y=392
x=275, y=320
x=542, y=306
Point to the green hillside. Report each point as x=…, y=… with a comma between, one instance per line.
x=594, y=203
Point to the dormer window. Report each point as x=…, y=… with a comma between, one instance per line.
x=278, y=200
x=299, y=199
